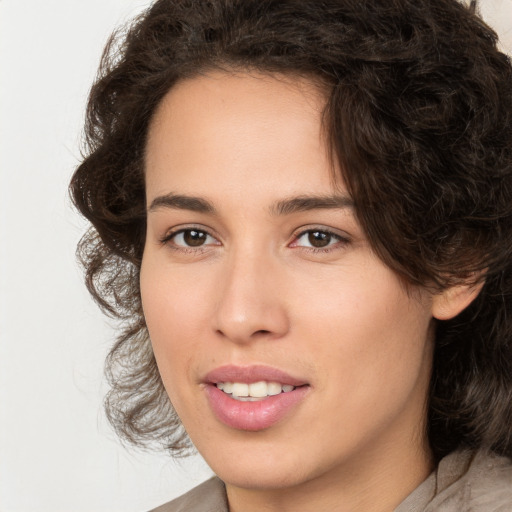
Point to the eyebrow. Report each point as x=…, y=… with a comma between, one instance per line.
x=279, y=208
x=306, y=203
x=181, y=202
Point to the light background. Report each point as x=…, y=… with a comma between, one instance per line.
x=57, y=453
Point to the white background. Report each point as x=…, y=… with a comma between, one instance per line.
x=57, y=452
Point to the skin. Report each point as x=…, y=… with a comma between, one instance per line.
x=257, y=292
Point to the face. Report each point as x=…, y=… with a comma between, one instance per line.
x=288, y=349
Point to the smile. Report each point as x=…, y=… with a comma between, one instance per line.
x=255, y=391
x=254, y=397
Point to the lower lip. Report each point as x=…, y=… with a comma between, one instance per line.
x=253, y=416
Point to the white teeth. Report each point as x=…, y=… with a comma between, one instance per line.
x=274, y=388
x=256, y=390
x=240, y=389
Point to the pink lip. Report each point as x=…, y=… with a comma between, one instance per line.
x=248, y=374
x=252, y=416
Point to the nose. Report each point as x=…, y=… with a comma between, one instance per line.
x=251, y=300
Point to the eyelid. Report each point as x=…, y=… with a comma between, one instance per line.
x=173, y=232
x=342, y=237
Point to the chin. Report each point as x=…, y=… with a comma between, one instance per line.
x=261, y=476
x=258, y=462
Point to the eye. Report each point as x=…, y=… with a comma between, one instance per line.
x=318, y=239
x=190, y=238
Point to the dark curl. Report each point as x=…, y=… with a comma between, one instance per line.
x=419, y=116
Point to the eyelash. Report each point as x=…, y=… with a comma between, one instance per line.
x=341, y=240
x=169, y=236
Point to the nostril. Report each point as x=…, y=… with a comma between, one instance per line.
x=261, y=331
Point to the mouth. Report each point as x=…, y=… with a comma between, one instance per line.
x=255, y=391
x=253, y=398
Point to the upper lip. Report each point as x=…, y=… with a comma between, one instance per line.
x=250, y=374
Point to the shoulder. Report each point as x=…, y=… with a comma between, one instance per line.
x=210, y=496
x=476, y=482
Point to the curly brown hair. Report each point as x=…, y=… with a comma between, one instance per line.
x=419, y=115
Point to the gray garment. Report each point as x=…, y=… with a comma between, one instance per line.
x=210, y=496
x=462, y=482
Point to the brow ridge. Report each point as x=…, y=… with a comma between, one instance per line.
x=306, y=203
x=182, y=202
x=279, y=208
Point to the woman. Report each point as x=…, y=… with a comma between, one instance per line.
x=302, y=212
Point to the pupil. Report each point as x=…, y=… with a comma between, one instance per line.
x=194, y=238
x=319, y=238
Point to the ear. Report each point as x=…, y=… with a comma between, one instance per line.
x=452, y=301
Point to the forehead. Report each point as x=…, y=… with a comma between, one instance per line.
x=244, y=129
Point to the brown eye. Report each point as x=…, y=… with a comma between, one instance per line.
x=194, y=238
x=190, y=238
x=319, y=239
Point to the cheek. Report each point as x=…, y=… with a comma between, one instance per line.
x=373, y=336
x=173, y=307
x=173, y=299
